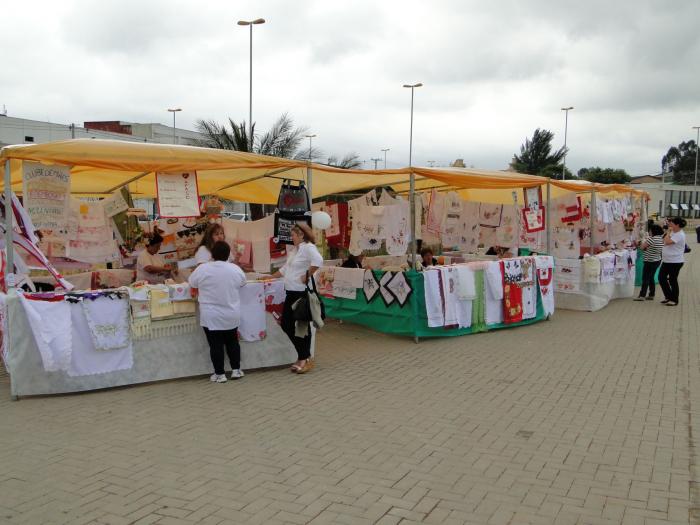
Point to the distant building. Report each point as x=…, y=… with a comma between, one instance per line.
x=15, y=130
x=669, y=200
x=151, y=132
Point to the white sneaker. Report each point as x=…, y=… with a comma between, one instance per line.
x=216, y=378
x=237, y=374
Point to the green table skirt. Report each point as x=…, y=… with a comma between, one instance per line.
x=411, y=319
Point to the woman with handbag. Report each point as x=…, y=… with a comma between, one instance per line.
x=301, y=265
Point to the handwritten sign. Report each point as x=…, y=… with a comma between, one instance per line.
x=115, y=204
x=178, y=194
x=46, y=192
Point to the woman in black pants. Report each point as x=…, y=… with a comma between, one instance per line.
x=652, y=246
x=301, y=265
x=672, y=260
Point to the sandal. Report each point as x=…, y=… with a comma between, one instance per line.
x=307, y=366
x=294, y=367
x=671, y=303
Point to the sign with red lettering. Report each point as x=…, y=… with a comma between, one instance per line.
x=178, y=194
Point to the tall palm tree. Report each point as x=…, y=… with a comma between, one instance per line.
x=536, y=157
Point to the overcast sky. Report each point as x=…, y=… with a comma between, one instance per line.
x=492, y=72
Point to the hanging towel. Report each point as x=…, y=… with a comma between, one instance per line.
x=493, y=283
x=448, y=280
x=108, y=320
x=545, y=273
x=85, y=359
x=253, y=325
x=466, y=288
x=51, y=326
x=433, y=301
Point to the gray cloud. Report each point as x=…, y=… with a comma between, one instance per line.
x=492, y=73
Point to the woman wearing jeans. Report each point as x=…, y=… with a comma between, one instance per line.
x=653, y=247
x=672, y=260
x=301, y=265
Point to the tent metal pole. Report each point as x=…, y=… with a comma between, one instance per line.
x=9, y=247
x=593, y=218
x=132, y=179
x=412, y=204
x=548, y=219
x=309, y=182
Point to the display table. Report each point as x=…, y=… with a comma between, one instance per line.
x=169, y=357
x=411, y=319
x=594, y=297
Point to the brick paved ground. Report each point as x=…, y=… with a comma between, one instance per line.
x=588, y=418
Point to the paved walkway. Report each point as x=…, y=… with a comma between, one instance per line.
x=588, y=418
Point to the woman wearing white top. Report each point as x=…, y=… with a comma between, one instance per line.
x=150, y=265
x=213, y=234
x=218, y=283
x=299, y=268
x=672, y=260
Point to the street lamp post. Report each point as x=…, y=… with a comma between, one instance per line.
x=173, y=111
x=310, y=137
x=412, y=179
x=385, y=150
x=375, y=163
x=696, y=128
x=566, y=129
x=251, y=23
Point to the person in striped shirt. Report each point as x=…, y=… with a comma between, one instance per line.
x=652, y=246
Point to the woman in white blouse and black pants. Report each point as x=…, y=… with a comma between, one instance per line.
x=299, y=268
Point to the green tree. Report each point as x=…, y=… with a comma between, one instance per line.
x=604, y=175
x=680, y=162
x=536, y=157
x=351, y=161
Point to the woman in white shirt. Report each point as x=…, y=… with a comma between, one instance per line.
x=150, y=265
x=672, y=260
x=213, y=234
x=301, y=264
x=218, y=283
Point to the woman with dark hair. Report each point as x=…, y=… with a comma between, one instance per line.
x=218, y=283
x=301, y=265
x=672, y=260
x=652, y=247
x=150, y=266
x=353, y=261
x=214, y=233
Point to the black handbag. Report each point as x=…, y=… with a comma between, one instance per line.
x=687, y=249
x=302, y=307
x=293, y=199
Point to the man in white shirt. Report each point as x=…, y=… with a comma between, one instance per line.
x=218, y=283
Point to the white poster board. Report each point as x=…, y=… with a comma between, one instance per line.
x=46, y=195
x=178, y=194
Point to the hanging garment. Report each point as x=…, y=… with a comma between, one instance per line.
x=400, y=288
x=448, y=282
x=346, y=281
x=621, y=267
x=529, y=286
x=490, y=214
x=466, y=288
x=591, y=270
x=493, y=284
x=436, y=213
x=51, y=326
x=274, y=298
x=568, y=276
x=253, y=325
x=607, y=267
x=469, y=227
x=452, y=223
x=370, y=285
x=512, y=291
x=397, y=220
x=108, y=320
x=85, y=359
x=568, y=208
x=545, y=274
x=507, y=233
x=433, y=298
x=567, y=244
x=342, y=238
